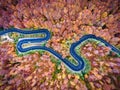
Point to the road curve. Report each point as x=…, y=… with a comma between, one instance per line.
x=80, y=61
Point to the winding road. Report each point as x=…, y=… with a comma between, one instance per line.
x=80, y=61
